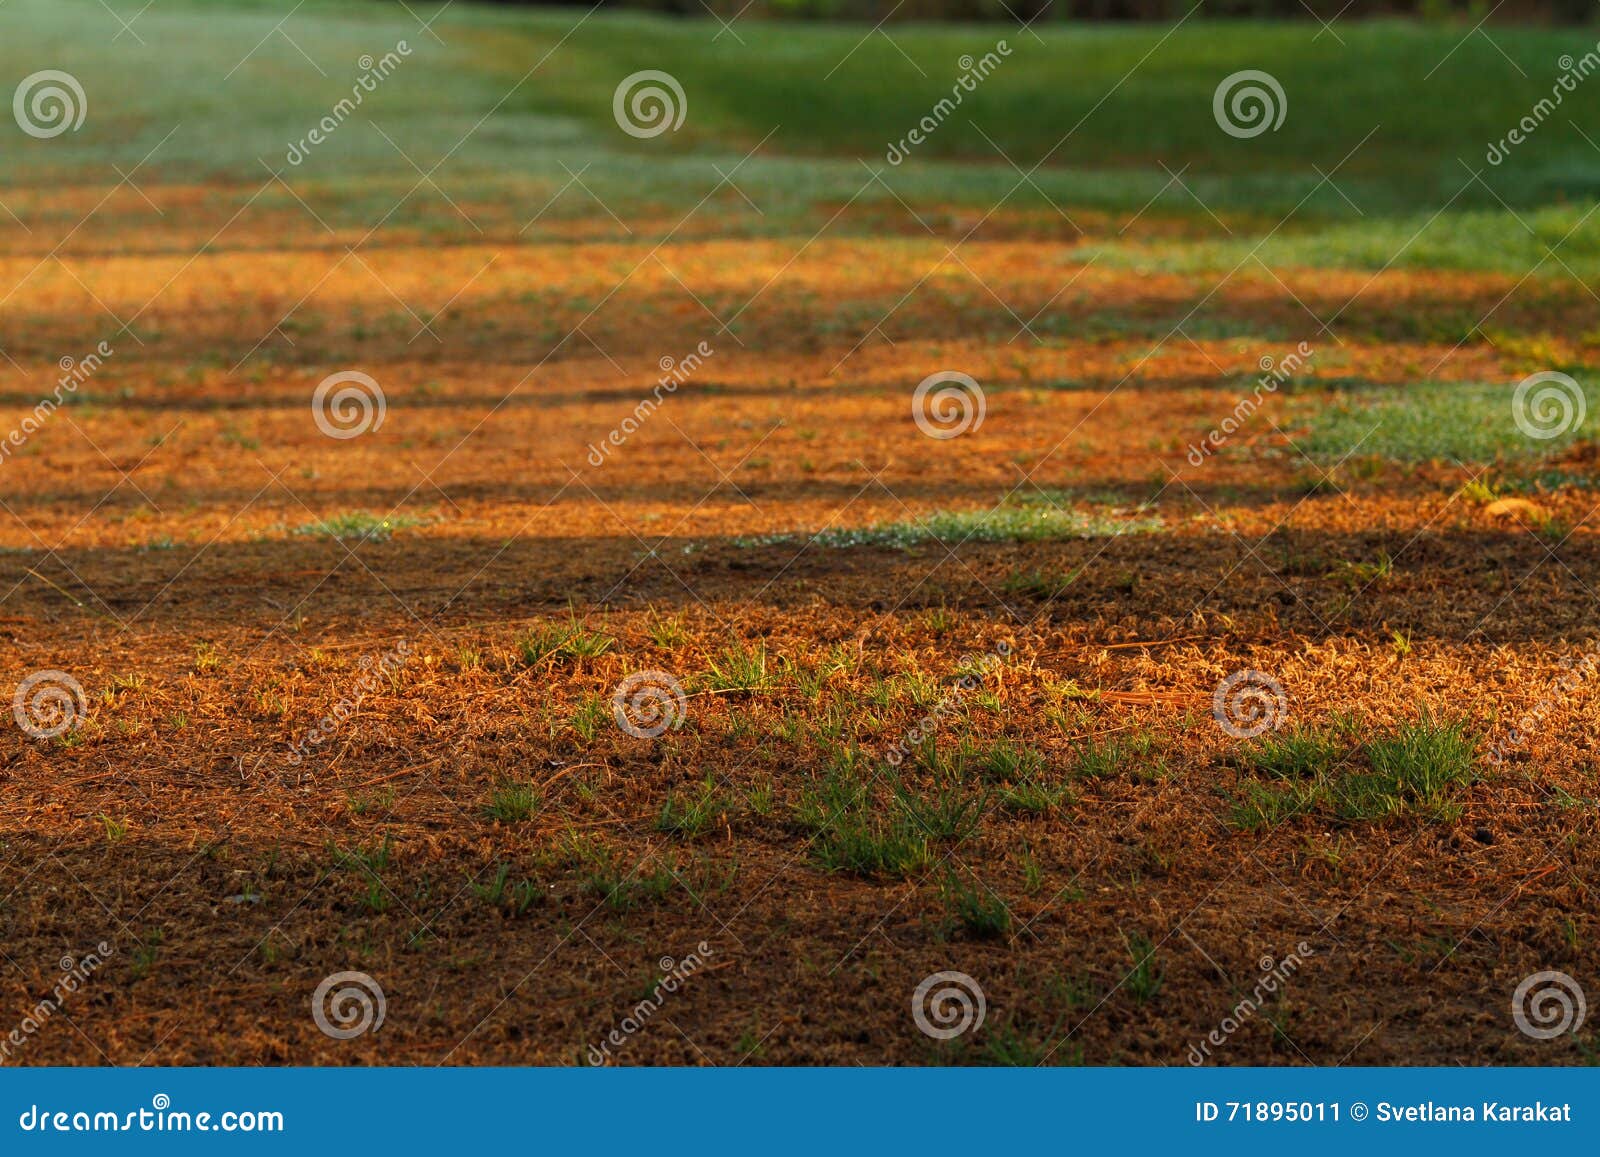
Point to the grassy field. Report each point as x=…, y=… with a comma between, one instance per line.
x=625, y=623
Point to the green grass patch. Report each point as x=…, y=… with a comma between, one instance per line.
x=1418, y=770
x=358, y=526
x=1016, y=519
x=562, y=641
x=1426, y=422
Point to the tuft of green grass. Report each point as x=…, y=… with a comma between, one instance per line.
x=850, y=832
x=1131, y=755
x=978, y=909
x=1006, y=761
x=689, y=817
x=358, y=526
x=1034, y=797
x=1039, y=584
x=1298, y=753
x=562, y=641
x=512, y=803
x=667, y=632
x=622, y=889
x=739, y=668
x=1416, y=770
x=1261, y=807
x=1144, y=980
x=500, y=892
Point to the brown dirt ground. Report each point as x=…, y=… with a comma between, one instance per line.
x=148, y=548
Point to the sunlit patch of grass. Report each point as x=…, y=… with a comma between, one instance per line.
x=1036, y=798
x=1425, y=422
x=1417, y=769
x=851, y=832
x=1259, y=807
x=1299, y=753
x=358, y=526
x=511, y=803
x=569, y=640
x=739, y=668
x=1007, y=761
x=1132, y=754
x=1017, y=519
